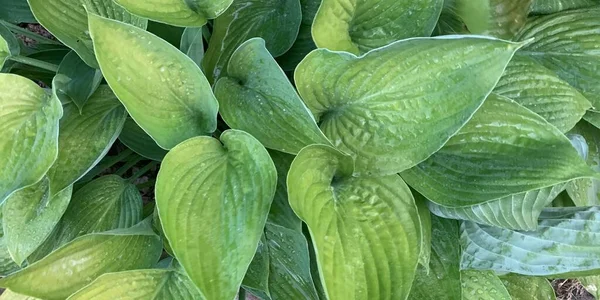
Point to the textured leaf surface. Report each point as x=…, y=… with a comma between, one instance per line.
x=304, y=42
x=502, y=151
x=499, y=18
x=526, y=287
x=192, y=44
x=586, y=191
x=363, y=25
x=67, y=20
x=136, y=139
x=482, y=285
x=213, y=199
x=192, y=13
x=256, y=96
x=365, y=230
x=171, y=99
x=390, y=108
x=565, y=243
x=79, y=262
x=30, y=132
x=75, y=81
x=85, y=137
x=553, y=6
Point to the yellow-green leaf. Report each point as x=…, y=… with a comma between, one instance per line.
x=482, y=285
x=528, y=287
x=499, y=18
x=193, y=13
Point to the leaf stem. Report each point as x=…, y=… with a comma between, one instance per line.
x=34, y=62
x=143, y=170
x=128, y=165
x=32, y=35
x=146, y=184
x=106, y=163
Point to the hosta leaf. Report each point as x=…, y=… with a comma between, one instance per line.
x=304, y=42
x=54, y=56
x=171, y=34
x=193, y=13
x=172, y=101
x=482, y=285
x=192, y=44
x=30, y=215
x=499, y=18
x=256, y=280
x=7, y=265
x=281, y=213
x=567, y=43
x=67, y=20
x=85, y=137
x=359, y=26
x=30, y=132
x=79, y=262
x=565, y=244
x=9, y=45
x=425, y=219
x=276, y=21
x=449, y=22
x=553, y=6
x=502, y=151
x=156, y=224
x=16, y=11
x=165, y=284
x=591, y=284
x=10, y=295
x=256, y=96
x=386, y=107
x=586, y=191
x=526, y=287
x=213, y=199
x=75, y=81
x=592, y=118
x=365, y=229
x=441, y=280
x=136, y=139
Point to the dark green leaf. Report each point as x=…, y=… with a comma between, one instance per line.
x=304, y=42
x=553, y=6
x=192, y=44
x=75, y=81
x=16, y=11
x=586, y=191
x=136, y=139
x=281, y=213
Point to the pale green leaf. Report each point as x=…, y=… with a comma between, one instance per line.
x=425, y=237
x=136, y=139
x=16, y=11
x=213, y=198
x=389, y=108
x=79, y=262
x=586, y=191
x=304, y=42
x=527, y=287
x=565, y=244
x=591, y=284
x=276, y=21
x=10, y=295
x=192, y=44
x=162, y=89
x=193, y=13
x=281, y=213
x=9, y=45
x=75, y=81
x=7, y=265
x=499, y=18
x=504, y=150
x=85, y=137
x=29, y=128
x=365, y=229
x=256, y=96
x=553, y=6
x=482, y=285
x=256, y=280
x=360, y=26
x=67, y=20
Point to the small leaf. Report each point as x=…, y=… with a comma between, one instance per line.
x=192, y=44
x=425, y=219
x=256, y=280
x=481, y=285
x=392, y=116
x=304, y=42
x=136, y=139
x=9, y=45
x=591, y=284
x=365, y=229
x=193, y=13
x=281, y=213
x=526, y=287
x=586, y=191
x=256, y=96
x=499, y=18
x=541, y=7
x=170, y=99
x=30, y=133
x=79, y=262
x=75, y=81
x=213, y=199
x=16, y=11
x=360, y=26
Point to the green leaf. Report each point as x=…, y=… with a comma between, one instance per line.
x=256, y=96
x=441, y=279
x=554, y=6
x=304, y=42
x=281, y=213
x=9, y=45
x=565, y=244
x=276, y=21
x=67, y=20
x=7, y=265
x=360, y=26
x=192, y=44
x=592, y=118
x=503, y=151
x=163, y=91
x=193, y=13
x=10, y=295
x=75, y=81
x=30, y=215
x=450, y=22
x=586, y=191
x=164, y=284
x=526, y=288
x=365, y=229
x=29, y=127
x=85, y=137
x=482, y=285
x=213, y=199
x=256, y=280
x=386, y=108
x=499, y=18
x=566, y=43
x=591, y=284
x=16, y=11
x=136, y=139
x=171, y=34
x=425, y=219
x=53, y=56
x=156, y=224
x=79, y=262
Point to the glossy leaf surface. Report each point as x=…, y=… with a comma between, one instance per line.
x=526, y=288
x=482, y=285
x=499, y=18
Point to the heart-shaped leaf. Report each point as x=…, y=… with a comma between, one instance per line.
x=386, y=108
x=30, y=133
x=499, y=18
x=552, y=6
x=304, y=42
x=526, y=287
x=482, y=285
x=9, y=45
x=360, y=26
x=213, y=199
x=365, y=230
x=256, y=96
x=136, y=139
x=193, y=13
x=75, y=81
x=172, y=101
x=192, y=44
x=586, y=191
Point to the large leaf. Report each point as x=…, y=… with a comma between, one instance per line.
x=499, y=18
x=67, y=20
x=136, y=139
x=85, y=137
x=586, y=191
x=256, y=96
x=502, y=151
x=390, y=108
x=30, y=215
x=162, y=89
x=193, y=13
x=363, y=25
x=482, y=285
x=16, y=11
x=75, y=81
x=527, y=287
x=566, y=244
x=553, y=6
x=304, y=42
x=29, y=128
x=276, y=21
x=9, y=45
x=567, y=43
x=365, y=230
x=213, y=199
x=79, y=262
x=281, y=213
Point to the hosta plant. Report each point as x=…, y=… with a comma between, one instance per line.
x=299, y=149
